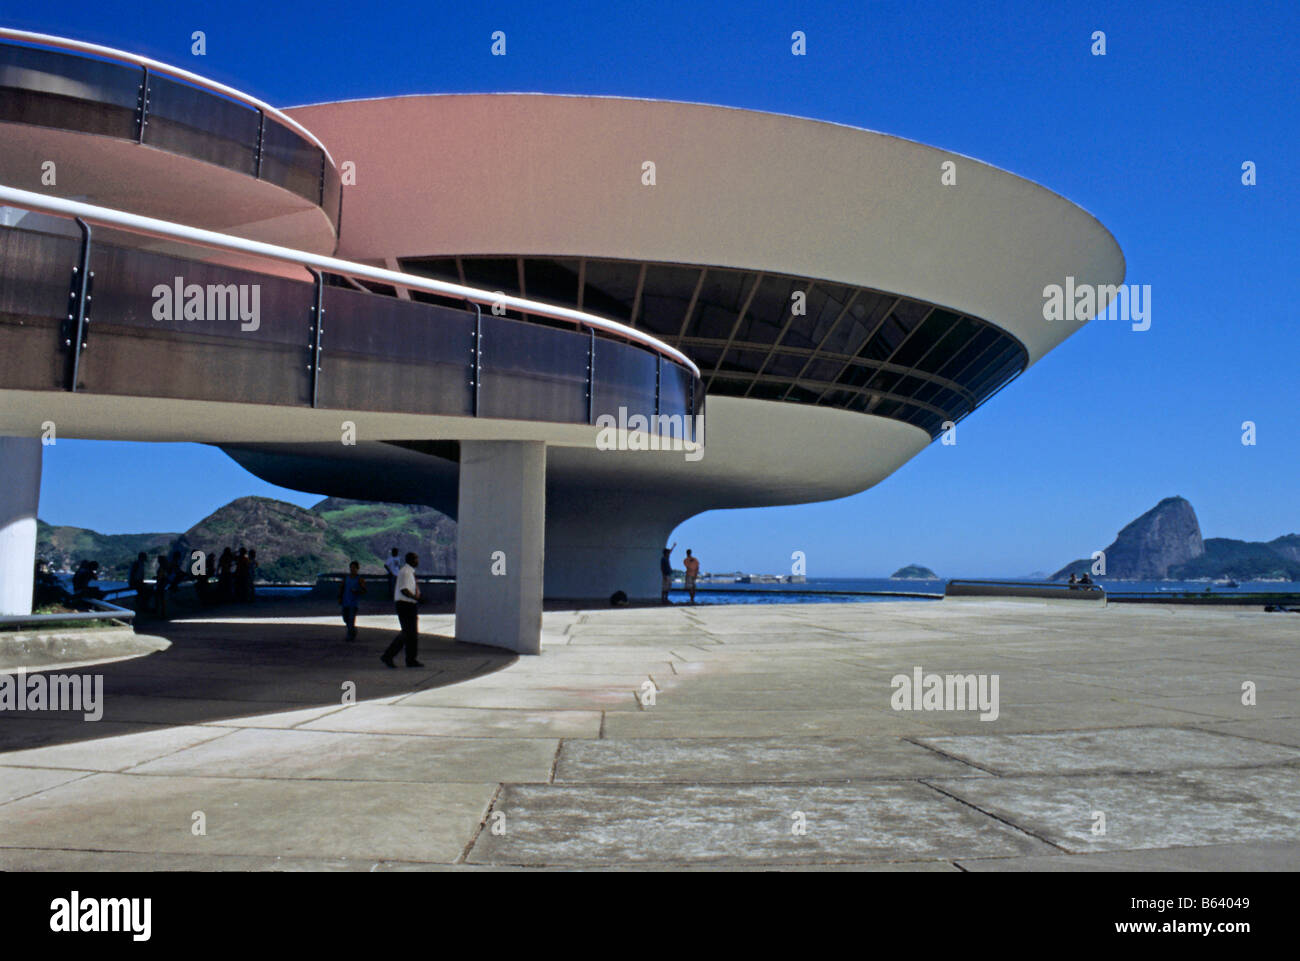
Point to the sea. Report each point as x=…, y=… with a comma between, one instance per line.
x=820, y=590
x=842, y=590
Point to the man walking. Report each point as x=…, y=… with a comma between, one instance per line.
x=351, y=588
x=406, y=598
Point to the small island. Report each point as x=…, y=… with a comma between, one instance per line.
x=914, y=572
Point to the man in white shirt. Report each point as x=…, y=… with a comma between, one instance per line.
x=406, y=598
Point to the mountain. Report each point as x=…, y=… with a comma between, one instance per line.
x=1288, y=546
x=292, y=544
x=66, y=547
x=914, y=572
x=1166, y=543
x=373, y=529
x=1240, y=560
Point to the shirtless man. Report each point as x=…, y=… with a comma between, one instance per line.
x=692, y=565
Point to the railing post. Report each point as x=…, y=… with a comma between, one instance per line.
x=75, y=332
x=142, y=107
x=659, y=375
x=591, y=377
x=476, y=356
x=317, y=323
x=261, y=139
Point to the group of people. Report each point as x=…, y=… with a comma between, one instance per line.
x=404, y=589
x=235, y=574
x=1084, y=581
x=692, y=566
x=47, y=589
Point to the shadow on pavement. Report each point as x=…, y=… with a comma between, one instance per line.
x=235, y=669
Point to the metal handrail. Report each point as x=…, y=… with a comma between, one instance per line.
x=168, y=230
x=106, y=611
x=63, y=43
x=1032, y=585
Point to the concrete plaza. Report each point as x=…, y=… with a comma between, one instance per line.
x=723, y=736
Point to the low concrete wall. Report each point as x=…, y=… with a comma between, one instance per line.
x=51, y=648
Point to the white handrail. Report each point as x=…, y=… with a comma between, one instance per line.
x=157, y=66
x=167, y=230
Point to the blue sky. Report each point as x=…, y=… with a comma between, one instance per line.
x=1149, y=138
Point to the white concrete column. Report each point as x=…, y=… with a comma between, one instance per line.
x=20, y=493
x=599, y=541
x=500, y=544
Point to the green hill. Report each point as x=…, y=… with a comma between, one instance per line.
x=1240, y=560
x=373, y=529
x=66, y=547
x=292, y=544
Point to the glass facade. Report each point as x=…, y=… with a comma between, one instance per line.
x=774, y=336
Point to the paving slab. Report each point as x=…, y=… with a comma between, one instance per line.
x=48, y=860
x=1125, y=749
x=324, y=755
x=688, y=722
x=625, y=824
x=458, y=721
x=258, y=817
x=1211, y=857
x=512, y=696
x=1183, y=809
x=112, y=752
x=1278, y=730
x=719, y=760
x=17, y=782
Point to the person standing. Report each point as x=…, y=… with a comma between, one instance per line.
x=252, y=575
x=241, y=575
x=666, y=571
x=406, y=598
x=692, y=565
x=393, y=565
x=160, y=582
x=225, y=576
x=135, y=581
x=350, y=591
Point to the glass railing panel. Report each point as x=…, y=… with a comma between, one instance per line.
x=532, y=372
x=292, y=162
x=381, y=353
x=190, y=121
x=675, y=390
x=35, y=278
x=72, y=93
x=624, y=377
x=228, y=334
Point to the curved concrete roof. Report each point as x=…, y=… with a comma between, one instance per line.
x=535, y=174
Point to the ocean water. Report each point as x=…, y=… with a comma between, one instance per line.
x=812, y=592
x=821, y=590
